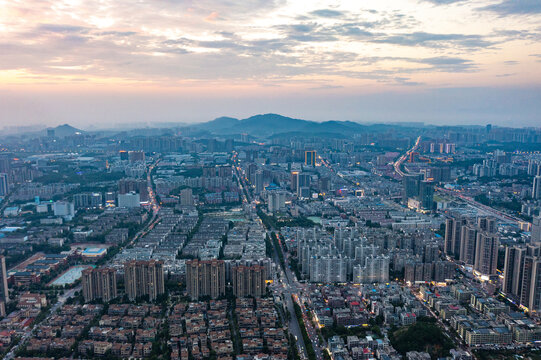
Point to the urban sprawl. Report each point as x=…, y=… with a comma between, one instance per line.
x=398, y=242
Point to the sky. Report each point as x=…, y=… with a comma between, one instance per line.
x=101, y=63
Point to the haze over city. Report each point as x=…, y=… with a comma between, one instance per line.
x=113, y=62
x=270, y=180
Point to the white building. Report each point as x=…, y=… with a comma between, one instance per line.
x=276, y=201
x=186, y=196
x=64, y=209
x=375, y=270
x=11, y=211
x=328, y=269
x=129, y=200
x=42, y=208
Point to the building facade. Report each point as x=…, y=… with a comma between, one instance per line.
x=143, y=278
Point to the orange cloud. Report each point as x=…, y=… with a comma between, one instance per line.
x=212, y=17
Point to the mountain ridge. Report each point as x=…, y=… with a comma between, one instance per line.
x=271, y=124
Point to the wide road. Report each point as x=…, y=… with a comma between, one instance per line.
x=398, y=163
x=286, y=292
x=292, y=288
x=500, y=215
x=244, y=188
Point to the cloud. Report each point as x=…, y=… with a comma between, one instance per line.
x=515, y=7
x=62, y=28
x=213, y=16
x=327, y=87
x=538, y=56
x=448, y=64
x=443, y=2
x=171, y=42
x=406, y=81
x=435, y=40
x=327, y=13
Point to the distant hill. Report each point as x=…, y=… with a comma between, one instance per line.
x=65, y=130
x=271, y=124
x=220, y=123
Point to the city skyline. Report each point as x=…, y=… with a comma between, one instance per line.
x=270, y=179
x=441, y=62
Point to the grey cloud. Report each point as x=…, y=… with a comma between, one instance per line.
x=515, y=7
x=435, y=40
x=406, y=81
x=62, y=29
x=538, y=56
x=519, y=34
x=443, y=2
x=327, y=87
x=440, y=64
x=117, y=33
x=309, y=32
x=327, y=13
x=292, y=53
x=448, y=64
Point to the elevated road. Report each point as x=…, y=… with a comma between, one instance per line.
x=398, y=163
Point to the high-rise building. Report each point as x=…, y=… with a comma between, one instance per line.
x=229, y=145
x=431, y=252
x=259, y=185
x=487, y=224
x=143, y=278
x=530, y=287
x=376, y=269
x=513, y=266
x=468, y=244
x=444, y=270
x=328, y=269
x=248, y=280
x=129, y=200
x=426, y=194
x=212, y=145
x=276, y=201
x=534, y=167
x=5, y=163
x=536, y=230
x=453, y=233
x=99, y=284
x=536, y=191
x=486, y=253
x=136, y=156
x=410, y=186
x=123, y=155
x=303, y=182
x=64, y=209
x=225, y=171
x=86, y=200
x=522, y=275
x=250, y=172
x=324, y=184
x=139, y=186
x=186, y=196
x=4, y=184
x=294, y=180
x=4, y=291
x=310, y=158
x=205, y=278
